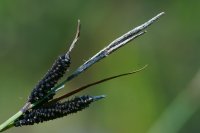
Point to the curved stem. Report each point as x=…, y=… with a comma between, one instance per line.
x=92, y=84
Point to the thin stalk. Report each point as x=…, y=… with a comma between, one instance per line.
x=6, y=124
x=92, y=84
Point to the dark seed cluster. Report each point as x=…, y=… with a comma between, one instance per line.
x=55, y=110
x=50, y=79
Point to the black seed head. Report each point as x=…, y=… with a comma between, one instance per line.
x=50, y=79
x=56, y=110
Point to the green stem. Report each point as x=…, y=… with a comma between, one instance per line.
x=9, y=123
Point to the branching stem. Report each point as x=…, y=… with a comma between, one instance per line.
x=113, y=46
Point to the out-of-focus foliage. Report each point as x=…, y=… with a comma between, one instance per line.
x=33, y=33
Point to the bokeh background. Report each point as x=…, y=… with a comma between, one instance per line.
x=164, y=98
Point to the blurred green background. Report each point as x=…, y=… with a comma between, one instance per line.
x=161, y=99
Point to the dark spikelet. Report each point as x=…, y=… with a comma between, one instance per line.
x=56, y=110
x=50, y=79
